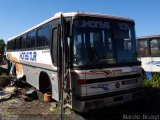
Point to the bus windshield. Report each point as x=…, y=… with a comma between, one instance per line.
x=103, y=42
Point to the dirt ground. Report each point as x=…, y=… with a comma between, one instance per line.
x=20, y=107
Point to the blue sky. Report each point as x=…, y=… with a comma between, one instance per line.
x=16, y=16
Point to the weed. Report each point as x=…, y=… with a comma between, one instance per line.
x=55, y=110
x=3, y=75
x=154, y=82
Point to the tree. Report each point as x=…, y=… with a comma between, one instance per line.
x=2, y=46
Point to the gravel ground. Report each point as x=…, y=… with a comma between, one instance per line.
x=20, y=107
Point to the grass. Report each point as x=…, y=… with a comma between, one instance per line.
x=55, y=110
x=153, y=82
x=4, y=72
x=3, y=75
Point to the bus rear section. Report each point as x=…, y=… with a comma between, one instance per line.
x=106, y=70
x=149, y=53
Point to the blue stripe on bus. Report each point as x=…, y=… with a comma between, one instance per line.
x=157, y=63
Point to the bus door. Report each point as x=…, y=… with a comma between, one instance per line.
x=60, y=54
x=65, y=63
x=55, y=62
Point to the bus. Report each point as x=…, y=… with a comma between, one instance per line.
x=89, y=60
x=149, y=52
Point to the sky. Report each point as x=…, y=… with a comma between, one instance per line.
x=16, y=16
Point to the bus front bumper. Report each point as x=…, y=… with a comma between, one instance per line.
x=83, y=104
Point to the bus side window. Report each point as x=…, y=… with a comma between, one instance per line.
x=14, y=44
x=54, y=45
x=19, y=41
x=154, y=47
x=43, y=36
x=17, y=44
x=8, y=45
x=143, y=48
x=31, y=39
x=23, y=42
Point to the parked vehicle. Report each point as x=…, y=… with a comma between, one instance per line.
x=91, y=57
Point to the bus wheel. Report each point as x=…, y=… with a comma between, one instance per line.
x=44, y=83
x=44, y=86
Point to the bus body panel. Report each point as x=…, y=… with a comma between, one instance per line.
x=102, y=89
x=146, y=63
x=31, y=64
x=151, y=64
x=109, y=80
x=155, y=64
x=113, y=81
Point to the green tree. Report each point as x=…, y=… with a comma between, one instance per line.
x=2, y=46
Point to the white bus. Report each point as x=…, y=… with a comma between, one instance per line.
x=149, y=51
x=96, y=54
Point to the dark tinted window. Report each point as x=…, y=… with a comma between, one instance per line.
x=31, y=37
x=23, y=42
x=54, y=45
x=13, y=44
x=155, y=47
x=43, y=36
x=17, y=44
x=8, y=45
x=143, y=48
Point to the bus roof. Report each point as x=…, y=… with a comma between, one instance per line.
x=72, y=14
x=148, y=37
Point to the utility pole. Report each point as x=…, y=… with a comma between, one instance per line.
x=63, y=66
